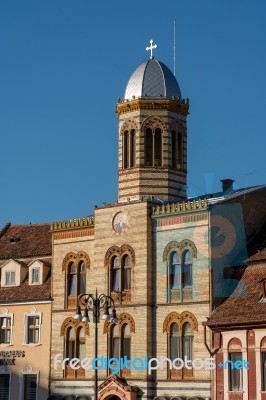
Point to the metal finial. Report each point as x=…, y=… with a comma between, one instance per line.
x=151, y=48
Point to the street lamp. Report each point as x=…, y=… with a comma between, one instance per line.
x=96, y=304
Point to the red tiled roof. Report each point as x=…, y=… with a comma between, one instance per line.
x=28, y=241
x=26, y=292
x=245, y=306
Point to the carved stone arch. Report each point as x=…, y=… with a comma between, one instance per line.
x=82, y=256
x=187, y=316
x=112, y=251
x=153, y=122
x=173, y=245
x=67, y=259
x=178, y=126
x=128, y=125
x=235, y=344
x=171, y=318
x=263, y=343
x=123, y=319
x=71, y=322
x=126, y=249
x=187, y=244
x=126, y=318
x=75, y=257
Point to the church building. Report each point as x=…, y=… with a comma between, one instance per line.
x=134, y=285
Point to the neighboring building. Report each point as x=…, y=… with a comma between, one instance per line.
x=239, y=328
x=25, y=311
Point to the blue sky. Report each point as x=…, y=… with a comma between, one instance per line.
x=63, y=65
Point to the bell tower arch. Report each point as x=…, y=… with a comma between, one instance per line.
x=152, y=135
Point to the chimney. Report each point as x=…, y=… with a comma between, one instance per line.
x=227, y=185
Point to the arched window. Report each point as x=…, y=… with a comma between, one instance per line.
x=125, y=149
x=81, y=343
x=175, y=270
x=180, y=330
x=115, y=342
x=120, y=274
x=263, y=363
x=174, y=150
x=132, y=148
x=175, y=342
x=179, y=258
x=180, y=160
x=119, y=261
x=75, y=267
x=70, y=343
x=235, y=376
x=158, y=148
x=129, y=149
x=187, y=268
x=72, y=279
x=126, y=341
x=126, y=272
x=187, y=336
x=82, y=278
x=116, y=275
x=148, y=147
x=153, y=147
x=74, y=334
x=120, y=341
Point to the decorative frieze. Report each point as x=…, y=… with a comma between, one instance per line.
x=72, y=223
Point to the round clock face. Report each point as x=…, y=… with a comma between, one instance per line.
x=120, y=222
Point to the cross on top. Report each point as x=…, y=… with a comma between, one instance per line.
x=151, y=48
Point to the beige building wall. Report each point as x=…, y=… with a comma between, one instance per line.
x=28, y=359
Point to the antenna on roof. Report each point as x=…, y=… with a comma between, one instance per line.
x=174, y=45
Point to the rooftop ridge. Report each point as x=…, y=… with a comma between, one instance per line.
x=180, y=207
x=72, y=223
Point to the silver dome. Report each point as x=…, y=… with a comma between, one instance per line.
x=152, y=79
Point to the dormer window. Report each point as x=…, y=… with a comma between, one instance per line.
x=38, y=272
x=35, y=275
x=10, y=278
x=263, y=289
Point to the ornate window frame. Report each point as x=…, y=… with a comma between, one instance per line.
x=123, y=319
x=178, y=132
x=32, y=314
x=124, y=294
x=186, y=317
x=6, y=314
x=69, y=323
x=234, y=347
x=128, y=134
x=156, y=127
x=183, y=293
x=76, y=259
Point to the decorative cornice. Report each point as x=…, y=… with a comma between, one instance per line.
x=72, y=224
x=177, y=106
x=180, y=207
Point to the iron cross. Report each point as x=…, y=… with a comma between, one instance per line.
x=151, y=48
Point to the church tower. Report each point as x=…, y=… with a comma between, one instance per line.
x=152, y=135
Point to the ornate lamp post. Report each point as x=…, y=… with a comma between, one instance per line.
x=96, y=304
